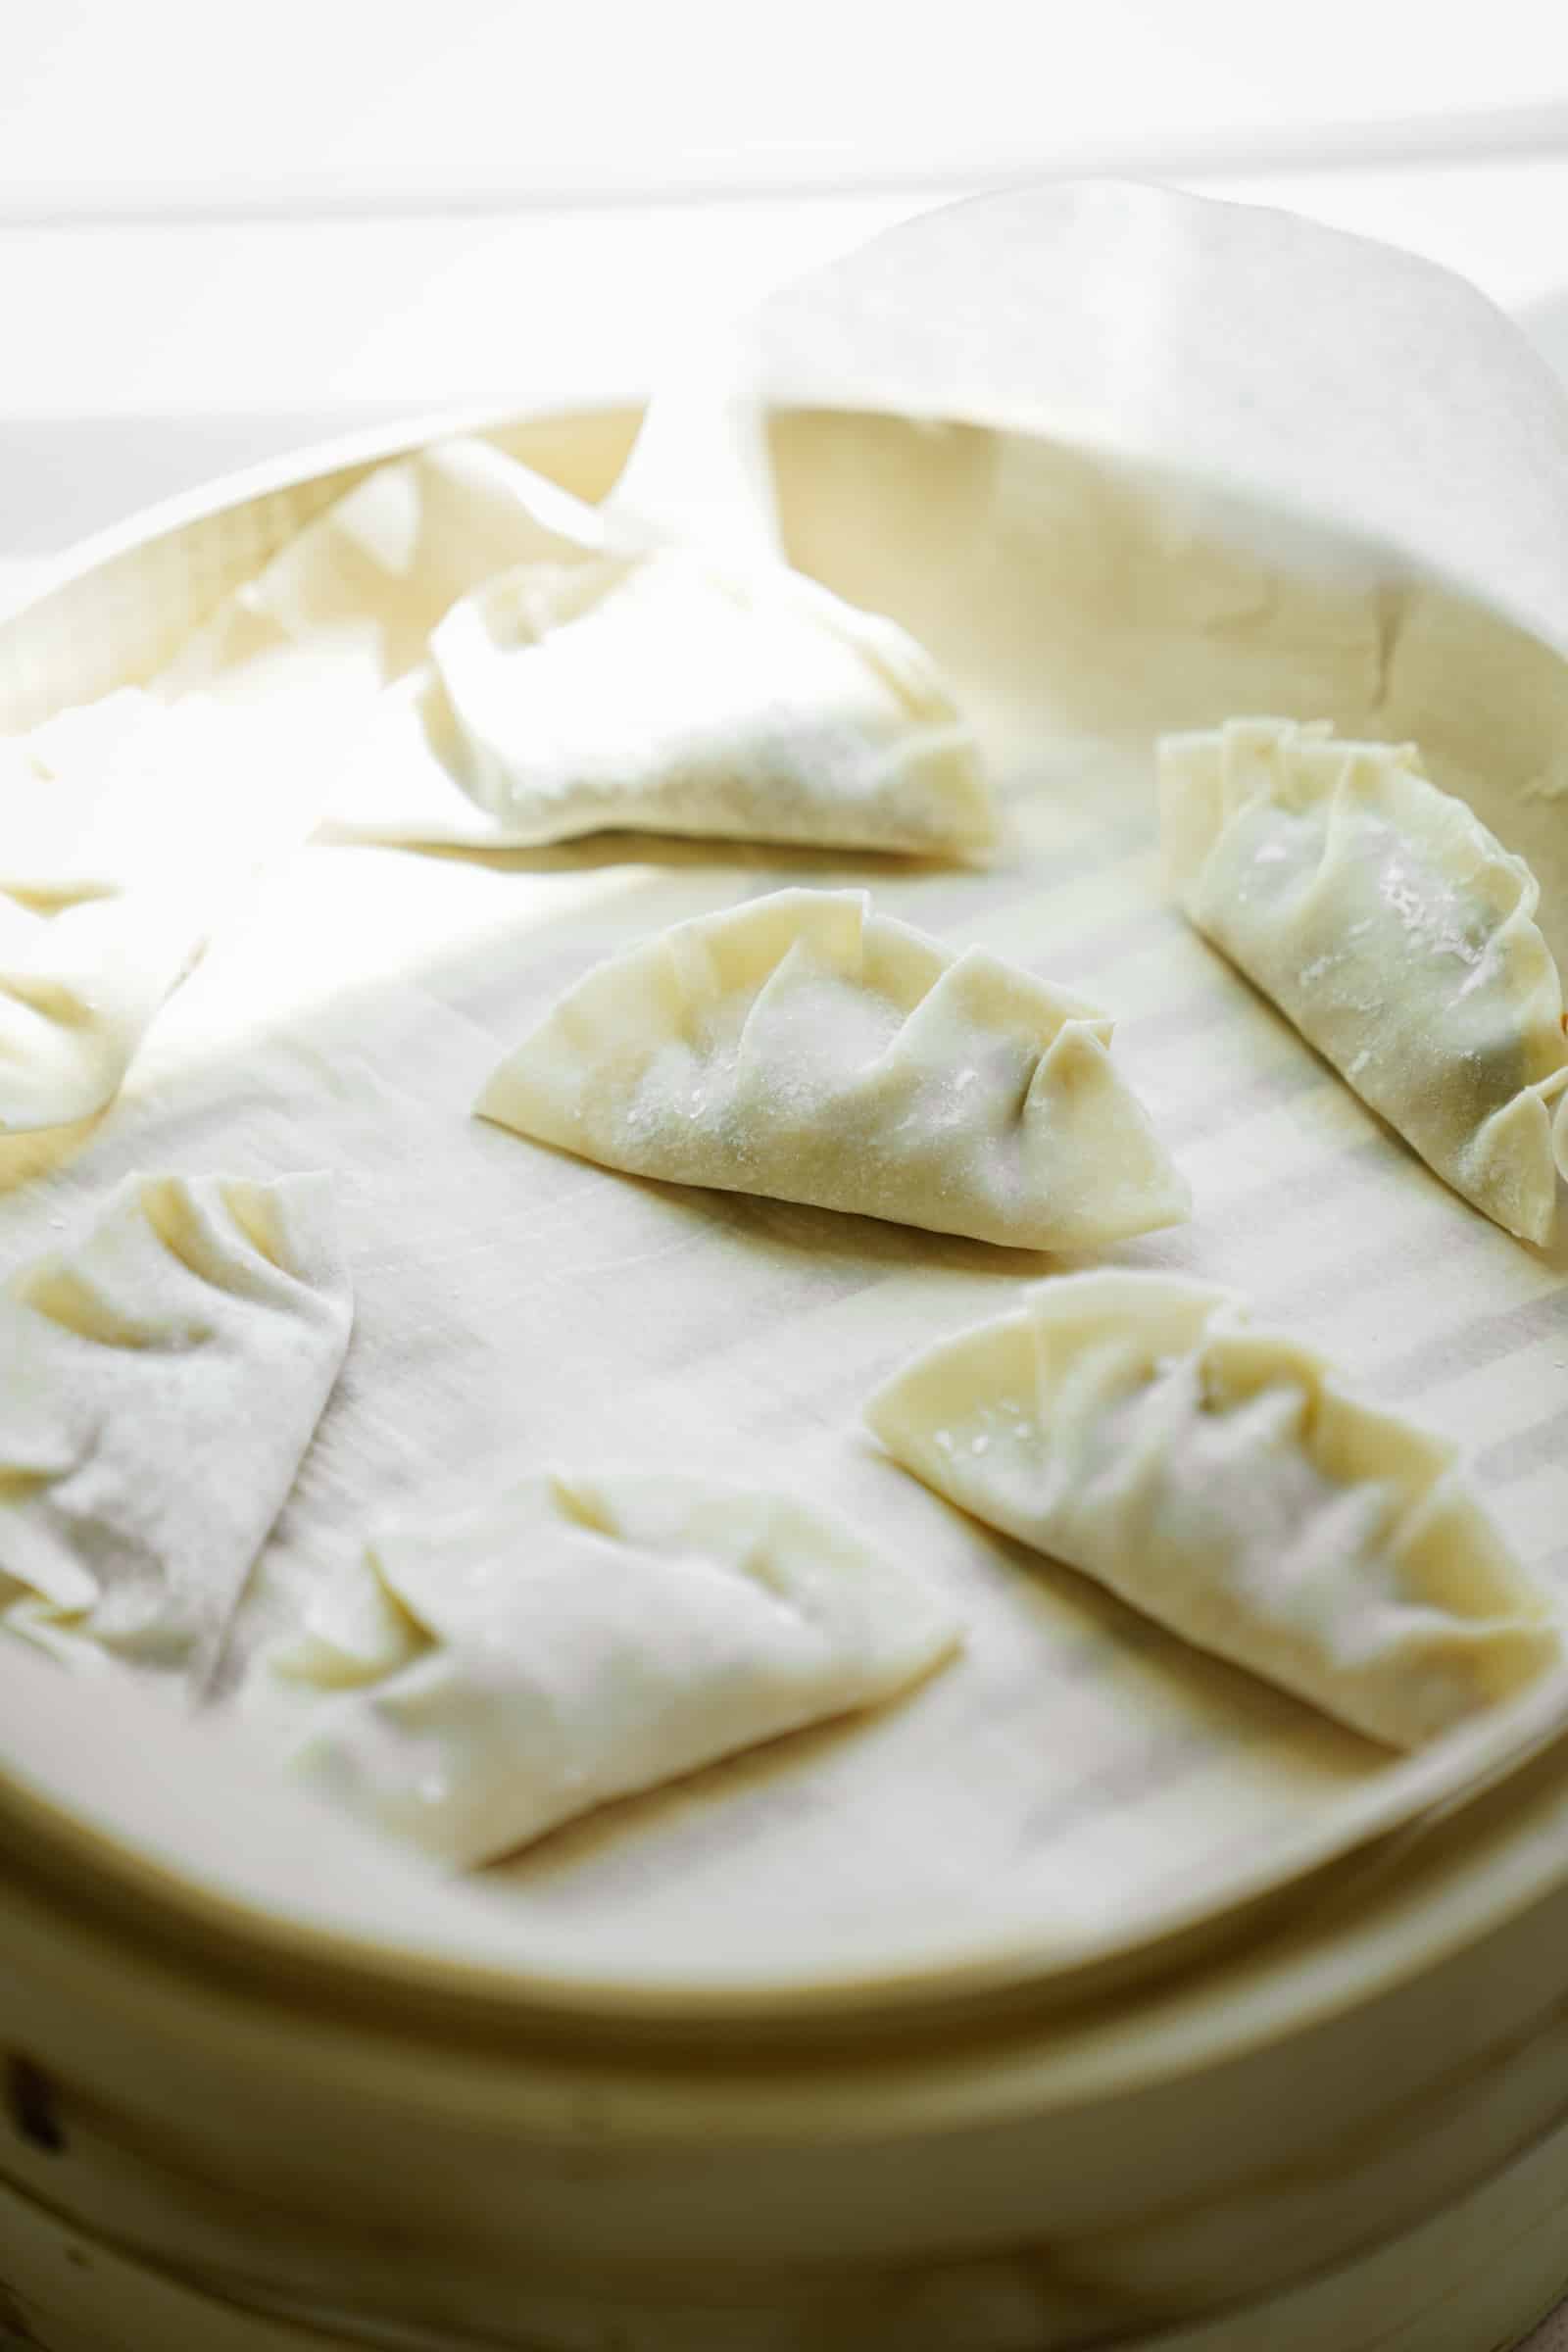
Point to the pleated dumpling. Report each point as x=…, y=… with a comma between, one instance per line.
x=126, y=830
x=1220, y=1479
x=1381, y=915
x=94, y=799
x=160, y=1382
x=349, y=603
x=802, y=1047
x=574, y=1639
x=666, y=691
x=78, y=986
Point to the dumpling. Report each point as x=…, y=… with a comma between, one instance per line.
x=78, y=990
x=160, y=1382
x=1393, y=930
x=801, y=1046
x=577, y=1638
x=350, y=602
x=92, y=799
x=126, y=828
x=661, y=690
x=1218, y=1478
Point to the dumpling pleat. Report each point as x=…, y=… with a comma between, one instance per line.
x=1220, y=1479
x=801, y=1047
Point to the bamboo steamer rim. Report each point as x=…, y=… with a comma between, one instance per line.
x=150, y=1884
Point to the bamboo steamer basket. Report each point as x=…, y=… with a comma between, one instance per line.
x=1345, y=2130
x=1330, y=2119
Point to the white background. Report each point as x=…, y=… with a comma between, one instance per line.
x=228, y=231
x=176, y=101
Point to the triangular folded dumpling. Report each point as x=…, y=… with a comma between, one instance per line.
x=127, y=829
x=801, y=1046
x=577, y=1638
x=1393, y=930
x=159, y=1382
x=666, y=691
x=1219, y=1479
x=78, y=986
x=350, y=602
x=92, y=800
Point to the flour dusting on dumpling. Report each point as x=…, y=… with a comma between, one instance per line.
x=803, y=1047
x=579, y=1636
x=1393, y=930
x=160, y=1380
x=1218, y=1477
x=666, y=691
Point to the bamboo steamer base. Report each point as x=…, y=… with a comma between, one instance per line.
x=1476, y=2277
x=253, y=2104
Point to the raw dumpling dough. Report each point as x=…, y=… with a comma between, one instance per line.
x=78, y=986
x=1218, y=1478
x=349, y=603
x=577, y=1638
x=801, y=1046
x=129, y=828
x=1395, y=931
x=100, y=797
x=159, y=1384
x=126, y=830
x=664, y=690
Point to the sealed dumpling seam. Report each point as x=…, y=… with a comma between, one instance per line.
x=1221, y=1480
x=660, y=690
x=575, y=1638
x=130, y=830
x=160, y=1380
x=1395, y=931
x=803, y=1047
x=348, y=604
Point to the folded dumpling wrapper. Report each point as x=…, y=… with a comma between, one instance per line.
x=79, y=988
x=160, y=1380
x=350, y=602
x=666, y=691
x=802, y=1047
x=1395, y=931
x=1219, y=1478
x=128, y=830
x=97, y=799
x=578, y=1638
x=132, y=826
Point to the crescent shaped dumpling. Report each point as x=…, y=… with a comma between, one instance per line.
x=127, y=829
x=79, y=986
x=1218, y=1478
x=160, y=1380
x=667, y=692
x=578, y=1638
x=802, y=1047
x=1395, y=932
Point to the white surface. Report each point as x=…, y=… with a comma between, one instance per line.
x=365, y=102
